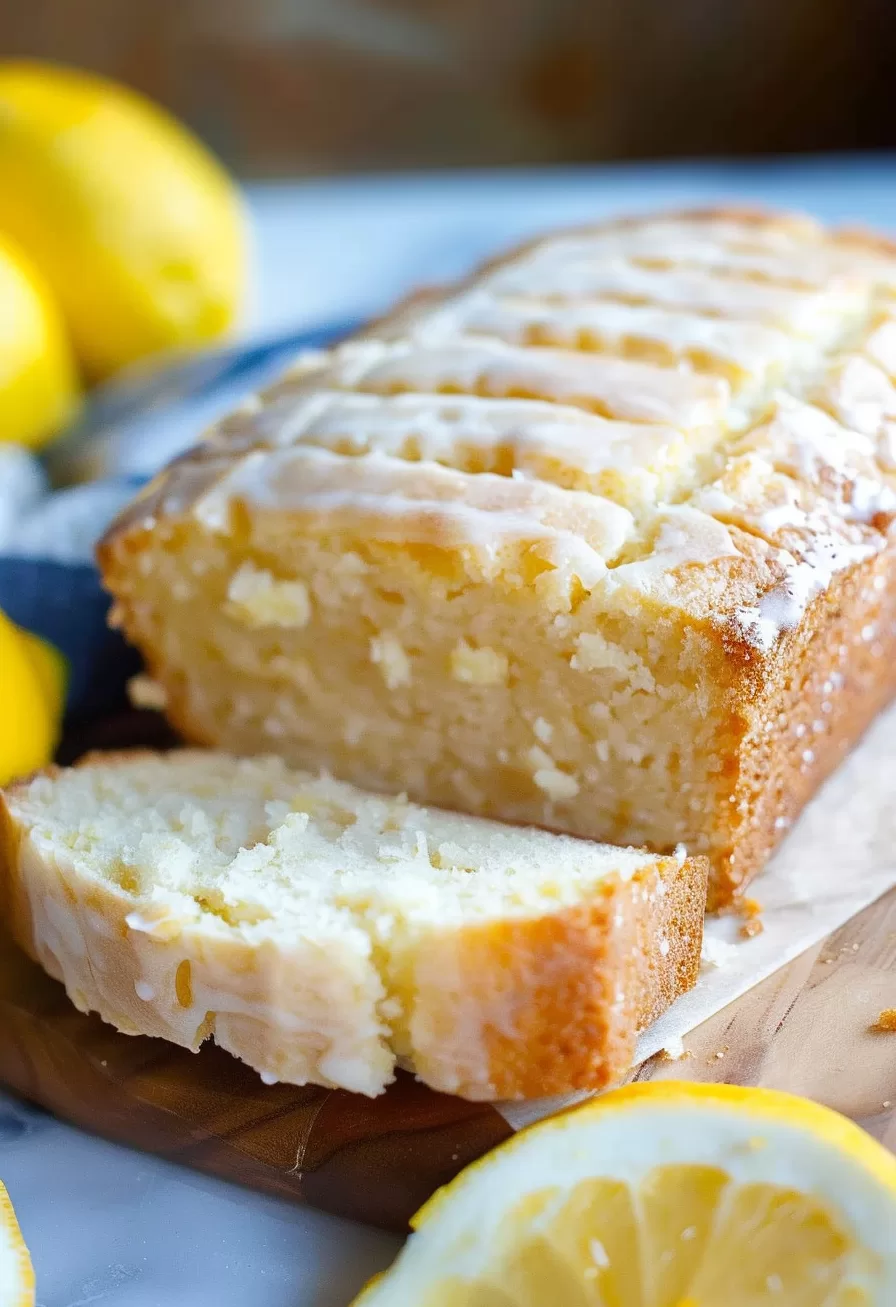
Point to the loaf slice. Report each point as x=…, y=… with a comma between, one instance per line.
x=599, y=541
x=324, y=934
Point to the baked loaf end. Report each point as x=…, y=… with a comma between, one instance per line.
x=322, y=934
x=598, y=541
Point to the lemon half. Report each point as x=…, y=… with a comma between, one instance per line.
x=663, y=1195
x=136, y=227
x=16, y=1271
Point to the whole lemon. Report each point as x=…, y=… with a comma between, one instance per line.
x=137, y=228
x=51, y=669
x=39, y=389
x=32, y=679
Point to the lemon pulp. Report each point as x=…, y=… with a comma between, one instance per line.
x=666, y=1194
x=687, y=1237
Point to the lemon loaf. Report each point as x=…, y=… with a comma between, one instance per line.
x=324, y=934
x=598, y=541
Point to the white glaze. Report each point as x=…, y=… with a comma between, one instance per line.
x=554, y=275
x=607, y=325
x=357, y=436
x=422, y=503
x=622, y=388
x=796, y=253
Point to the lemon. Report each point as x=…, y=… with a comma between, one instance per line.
x=137, y=228
x=662, y=1195
x=51, y=668
x=16, y=1271
x=31, y=693
x=38, y=380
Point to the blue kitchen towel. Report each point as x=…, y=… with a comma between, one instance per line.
x=139, y=421
x=48, y=581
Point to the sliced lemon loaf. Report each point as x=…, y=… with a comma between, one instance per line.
x=324, y=934
x=599, y=541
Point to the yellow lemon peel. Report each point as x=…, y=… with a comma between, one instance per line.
x=135, y=225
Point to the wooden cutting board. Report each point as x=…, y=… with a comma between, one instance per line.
x=806, y=1029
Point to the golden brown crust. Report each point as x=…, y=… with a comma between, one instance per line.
x=832, y=676
x=584, y=982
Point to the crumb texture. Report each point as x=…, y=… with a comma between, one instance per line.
x=599, y=540
x=324, y=934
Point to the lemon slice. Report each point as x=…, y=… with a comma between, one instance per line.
x=662, y=1195
x=16, y=1271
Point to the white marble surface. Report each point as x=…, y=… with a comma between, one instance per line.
x=116, y=1228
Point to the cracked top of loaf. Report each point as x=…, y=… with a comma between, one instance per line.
x=700, y=407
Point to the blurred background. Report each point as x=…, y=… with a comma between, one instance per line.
x=291, y=87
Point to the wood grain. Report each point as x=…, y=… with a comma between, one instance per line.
x=807, y=1029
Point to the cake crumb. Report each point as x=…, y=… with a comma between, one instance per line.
x=483, y=666
x=255, y=597
x=389, y=656
x=674, y=1050
x=752, y=925
x=886, y=1022
x=144, y=692
x=544, y=731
